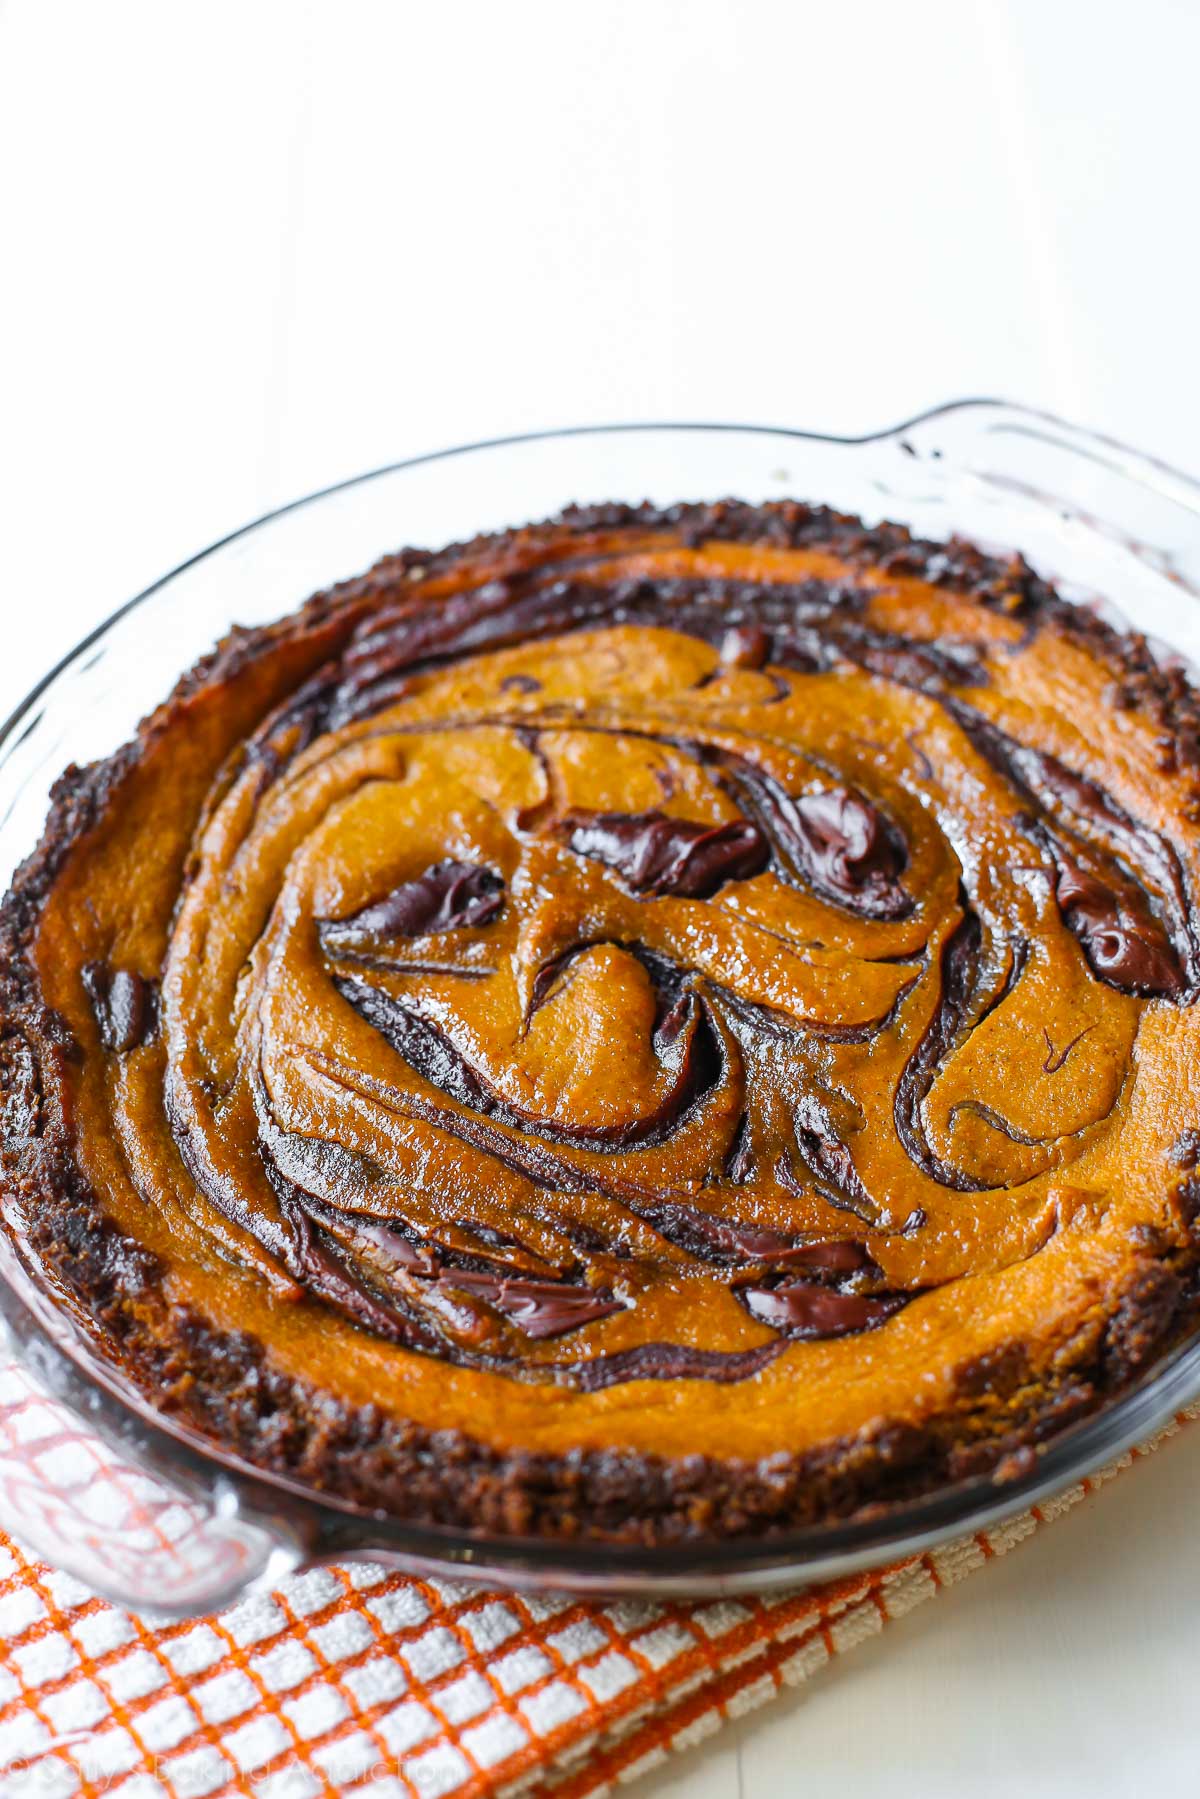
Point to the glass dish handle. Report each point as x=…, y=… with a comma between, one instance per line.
x=72, y=1495
x=1088, y=481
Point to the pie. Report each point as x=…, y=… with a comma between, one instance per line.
x=659, y=1026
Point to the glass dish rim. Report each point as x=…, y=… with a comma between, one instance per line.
x=1129, y=456
x=319, y=1526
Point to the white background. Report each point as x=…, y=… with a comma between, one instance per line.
x=249, y=248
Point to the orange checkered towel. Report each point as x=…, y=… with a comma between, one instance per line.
x=359, y=1680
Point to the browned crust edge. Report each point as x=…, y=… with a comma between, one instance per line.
x=223, y=1384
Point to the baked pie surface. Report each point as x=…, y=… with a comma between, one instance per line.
x=658, y=1025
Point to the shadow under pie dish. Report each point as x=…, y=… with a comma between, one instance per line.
x=657, y=1026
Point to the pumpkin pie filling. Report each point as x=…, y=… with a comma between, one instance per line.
x=658, y=1025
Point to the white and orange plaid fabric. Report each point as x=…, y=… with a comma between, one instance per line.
x=357, y=1680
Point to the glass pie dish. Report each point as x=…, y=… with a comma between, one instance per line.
x=136, y=1503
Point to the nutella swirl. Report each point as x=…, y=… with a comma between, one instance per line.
x=593, y=976
x=609, y=958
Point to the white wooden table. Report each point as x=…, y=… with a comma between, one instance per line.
x=248, y=248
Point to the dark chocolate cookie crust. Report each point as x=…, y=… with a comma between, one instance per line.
x=224, y=1386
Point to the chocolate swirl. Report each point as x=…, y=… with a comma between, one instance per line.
x=657, y=854
x=612, y=968
x=446, y=897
